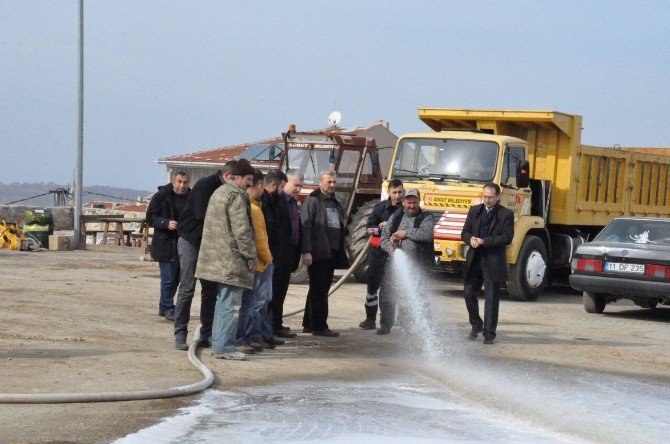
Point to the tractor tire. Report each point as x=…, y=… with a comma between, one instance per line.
x=528, y=276
x=357, y=239
x=593, y=303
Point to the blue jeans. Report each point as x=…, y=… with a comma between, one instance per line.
x=249, y=328
x=246, y=310
x=226, y=312
x=169, y=284
x=264, y=321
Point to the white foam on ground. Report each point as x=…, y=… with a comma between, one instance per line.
x=337, y=412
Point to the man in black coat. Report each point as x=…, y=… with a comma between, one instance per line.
x=190, y=235
x=378, y=219
x=324, y=230
x=278, y=223
x=165, y=208
x=488, y=229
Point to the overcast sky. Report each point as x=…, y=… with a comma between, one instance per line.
x=172, y=77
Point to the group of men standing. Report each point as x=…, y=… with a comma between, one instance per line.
x=242, y=234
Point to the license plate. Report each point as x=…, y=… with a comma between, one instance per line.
x=624, y=268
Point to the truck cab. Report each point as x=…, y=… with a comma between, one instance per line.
x=450, y=169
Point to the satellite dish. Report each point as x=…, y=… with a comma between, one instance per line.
x=334, y=118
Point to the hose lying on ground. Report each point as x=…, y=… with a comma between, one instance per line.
x=337, y=285
x=184, y=390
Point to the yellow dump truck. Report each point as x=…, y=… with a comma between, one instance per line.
x=562, y=192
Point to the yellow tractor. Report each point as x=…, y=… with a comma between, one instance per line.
x=11, y=236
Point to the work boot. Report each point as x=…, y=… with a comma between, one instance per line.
x=205, y=343
x=474, y=333
x=368, y=324
x=488, y=340
x=268, y=344
x=306, y=330
x=256, y=345
x=285, y=334
x=169, y=315
x=273, y=342
x=384, y=330
x=327, y=333
x=180, y=343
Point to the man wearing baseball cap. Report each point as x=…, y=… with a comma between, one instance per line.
x=411, y=230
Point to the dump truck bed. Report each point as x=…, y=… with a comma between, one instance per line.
x=590, y=185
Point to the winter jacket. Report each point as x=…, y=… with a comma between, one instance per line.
x=165, y=205
x=314, y=228
x=228, y=246
x=193, y=217
x=501, y=233
x=262, y=247
x=419, y=241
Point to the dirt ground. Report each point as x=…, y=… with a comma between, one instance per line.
x=87, y=321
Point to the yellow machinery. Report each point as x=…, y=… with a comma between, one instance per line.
x=574, y=189
x=10, y=236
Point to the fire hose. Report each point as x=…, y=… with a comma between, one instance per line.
x=174, y=392
x=184, y=390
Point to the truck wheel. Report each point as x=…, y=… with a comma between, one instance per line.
x=358, y=238
x=593, y=303
x=529, y=275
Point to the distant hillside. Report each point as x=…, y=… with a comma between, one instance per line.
x=10, y=192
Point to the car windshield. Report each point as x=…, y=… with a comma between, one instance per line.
x=636, y=231
x=309, y=162
x=446, y=159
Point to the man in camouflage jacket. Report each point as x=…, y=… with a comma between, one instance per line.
x=228, y=256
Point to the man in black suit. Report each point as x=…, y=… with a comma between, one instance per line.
x=488, y=229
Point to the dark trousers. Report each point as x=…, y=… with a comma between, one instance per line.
x=188, y=258
x=480, y=274
x=376, y=262
x=281, y=278
x=316, y=306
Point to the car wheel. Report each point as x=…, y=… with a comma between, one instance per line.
x=593, y=303
x=646, y=303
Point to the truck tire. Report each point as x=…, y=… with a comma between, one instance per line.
x=593, y=303
x=358, y=237
x=528, y=276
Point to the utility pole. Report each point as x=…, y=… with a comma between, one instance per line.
x=80, y=134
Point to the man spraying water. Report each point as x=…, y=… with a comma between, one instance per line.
x=411, y=230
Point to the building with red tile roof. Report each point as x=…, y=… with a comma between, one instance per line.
x=266, y=152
